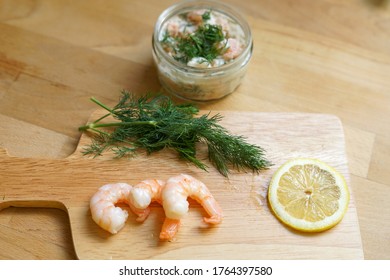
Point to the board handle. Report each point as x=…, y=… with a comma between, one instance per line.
x=26, y=182
x=33, y=203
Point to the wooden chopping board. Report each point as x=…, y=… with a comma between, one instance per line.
x=249, y=229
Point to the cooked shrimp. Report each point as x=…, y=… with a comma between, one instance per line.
x=173, y=28
x=196, y=17
x=174, y=200
x=103, y=209
x=234, y=49
x=143, y=194
x=223, y=22
x=176, y=191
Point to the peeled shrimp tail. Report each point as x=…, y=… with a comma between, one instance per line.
x=142, y=214
x=213, y=209
x=169, y=229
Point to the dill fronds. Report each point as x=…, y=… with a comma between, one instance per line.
x=155, y=122
x=205, y=42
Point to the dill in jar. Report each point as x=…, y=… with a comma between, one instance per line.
x=195, y=38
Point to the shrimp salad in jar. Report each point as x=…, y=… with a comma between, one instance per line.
x=202, y=38
x=201, y=50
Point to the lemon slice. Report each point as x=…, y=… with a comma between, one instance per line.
x=308, y=195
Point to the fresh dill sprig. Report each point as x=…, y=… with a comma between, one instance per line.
x=155, y=122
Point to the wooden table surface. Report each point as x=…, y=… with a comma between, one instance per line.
x=309, y=56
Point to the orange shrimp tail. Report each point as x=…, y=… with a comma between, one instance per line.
x=169, y=229
x=213, y=209
x=213, y=219
x=142, y=214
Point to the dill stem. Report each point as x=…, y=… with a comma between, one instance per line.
x=101, y=118
x=93, y=99
x=97, y=125
x=100, y=131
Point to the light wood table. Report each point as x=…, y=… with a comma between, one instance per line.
x=309, y=56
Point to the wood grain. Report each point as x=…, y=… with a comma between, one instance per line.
x=248, y=230
x=329, y=57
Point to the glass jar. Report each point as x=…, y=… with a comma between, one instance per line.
x=201, y=84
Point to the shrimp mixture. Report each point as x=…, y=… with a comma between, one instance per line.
x=172, y=195
x=202, y=38
x=201, y=51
